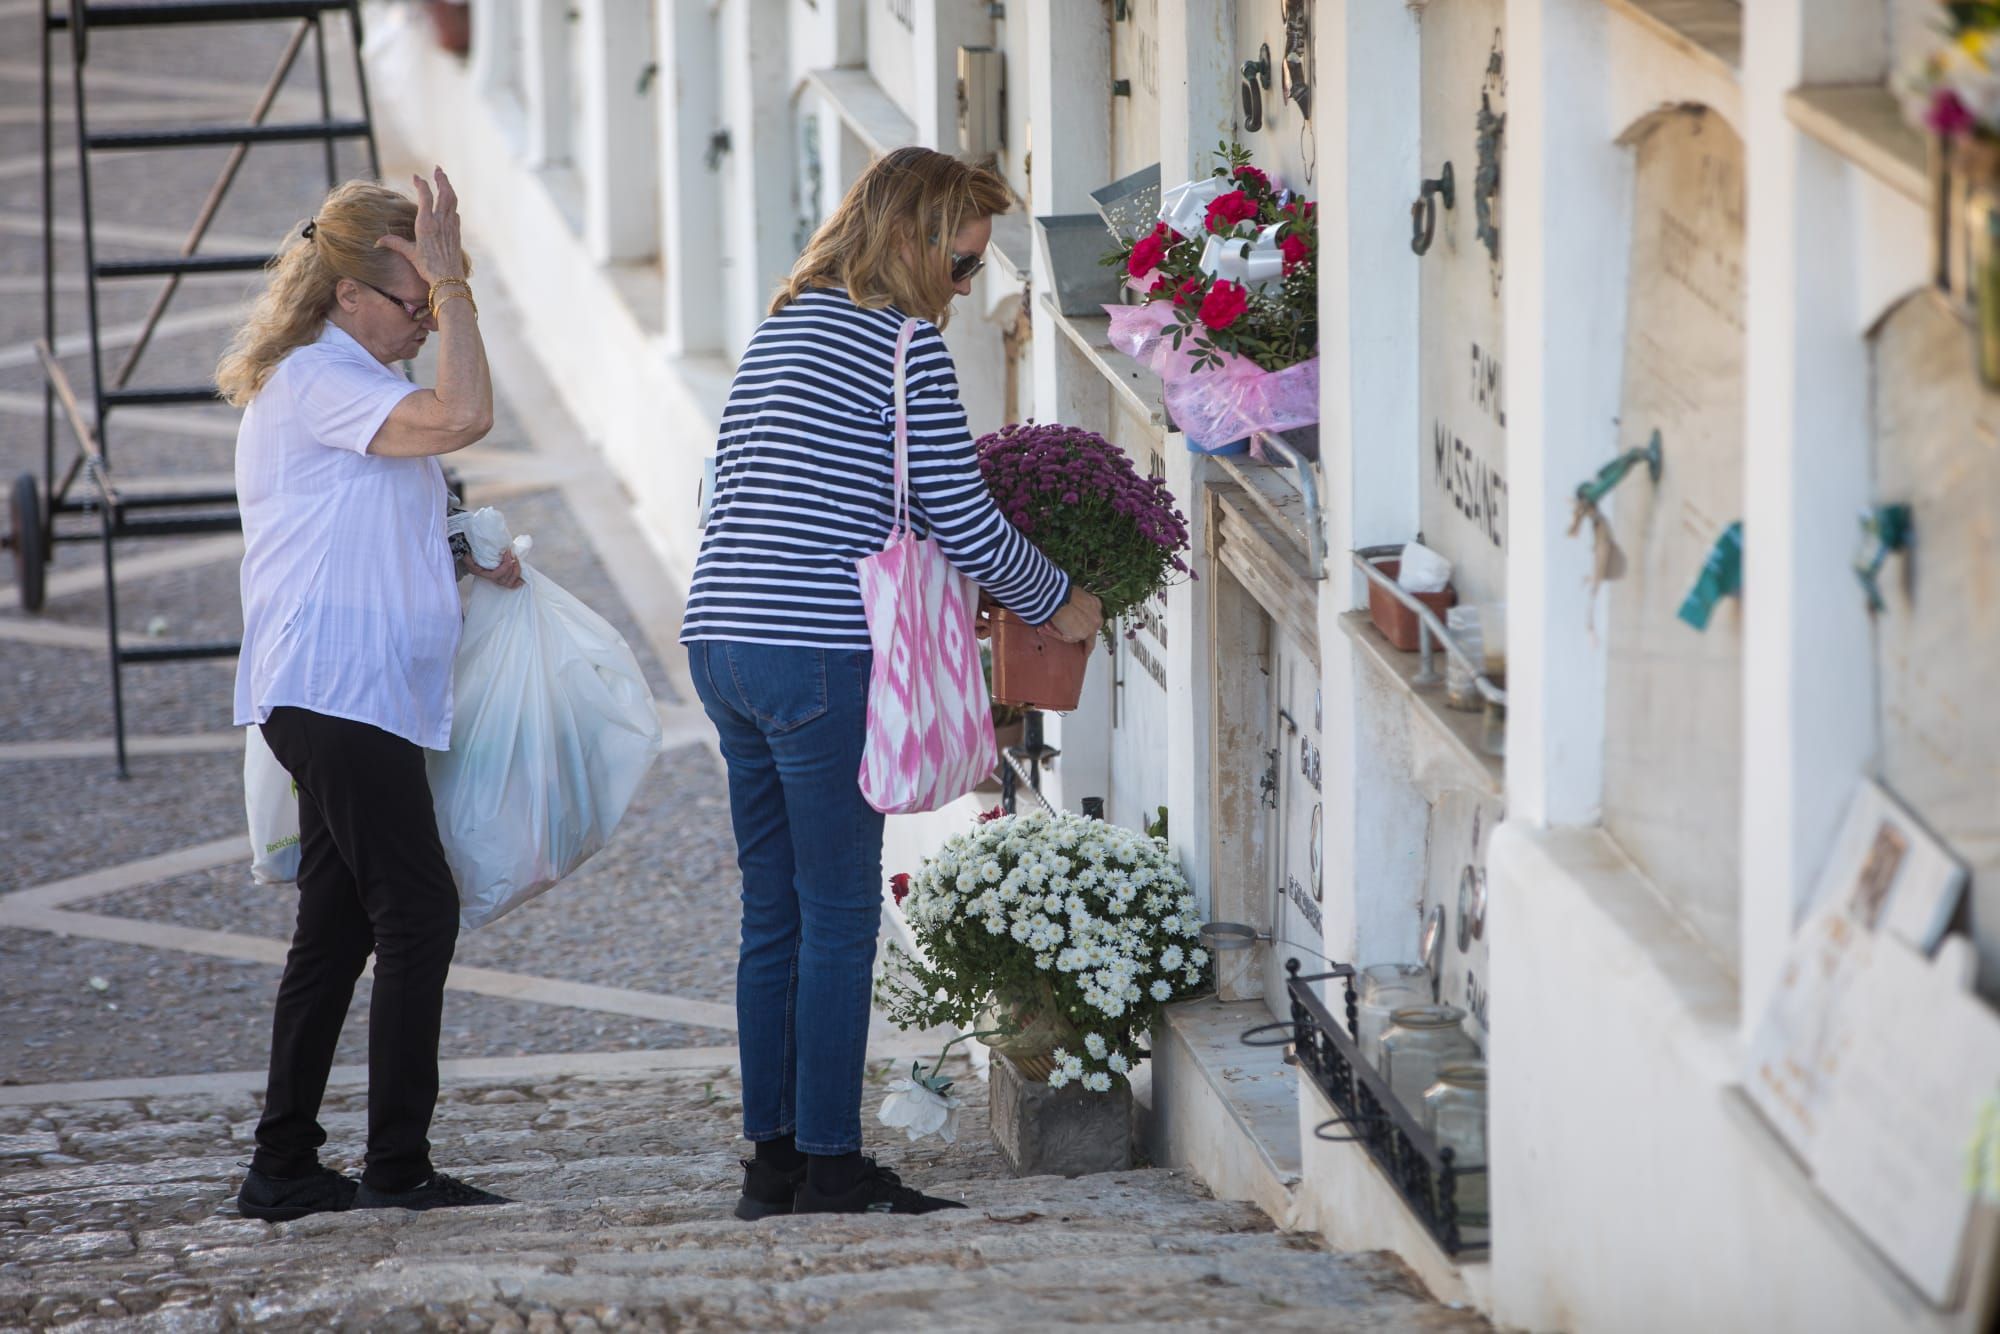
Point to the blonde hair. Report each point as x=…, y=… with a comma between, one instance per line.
x=889, y=242
x=338, y=242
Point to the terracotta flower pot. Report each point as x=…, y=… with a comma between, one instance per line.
x=1033, y=669
x=451, y=22
x=1397, y=622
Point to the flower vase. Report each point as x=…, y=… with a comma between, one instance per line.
x=451, y=24
x=1032, y=669
x=1027, y=1028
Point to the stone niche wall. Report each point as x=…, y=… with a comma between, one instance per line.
x=1937, y=642
x=1462, y=427
x=1673, y=710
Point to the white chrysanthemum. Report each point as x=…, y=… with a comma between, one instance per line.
x=1094, y=1044
x=1097, y=1082
x=1162, y=989
x=1170, y=957
x=1073, y=1066
x=1060, y=1056
x=1199, y=958
x=1170, y=924
x=1058, y=1078
x=1118, y=1062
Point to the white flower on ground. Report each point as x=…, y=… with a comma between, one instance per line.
x=1162, y=989
x=920, y=1111
x=1094, y=1044
x=1097, y=1082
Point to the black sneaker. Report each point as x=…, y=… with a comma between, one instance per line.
x=879, y=1191
x=767, y=1189
x=281, y=1199
x=440, y=1192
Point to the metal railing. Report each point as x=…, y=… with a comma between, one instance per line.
x=1429, y=627
x=1308, y=482
x=1425, y=1173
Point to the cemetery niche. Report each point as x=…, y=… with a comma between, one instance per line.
x=1673, y=709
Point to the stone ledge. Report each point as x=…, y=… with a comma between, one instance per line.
x=1223, y=1111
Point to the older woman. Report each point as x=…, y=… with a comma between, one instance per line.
x=779, y=651
x=350, y=625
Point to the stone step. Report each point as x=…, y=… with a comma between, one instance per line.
x=624, y=1190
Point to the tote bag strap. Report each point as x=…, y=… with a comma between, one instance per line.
x=902, y=521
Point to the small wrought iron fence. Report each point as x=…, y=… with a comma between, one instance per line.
x=1424, y=1172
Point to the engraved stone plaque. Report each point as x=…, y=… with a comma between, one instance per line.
x=1673, y=712
x=1462, y=428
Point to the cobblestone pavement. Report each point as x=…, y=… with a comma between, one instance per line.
x=624, y=1188
x=588, y=1039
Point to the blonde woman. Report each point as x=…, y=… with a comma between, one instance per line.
x=350, y=625
x=779, y=650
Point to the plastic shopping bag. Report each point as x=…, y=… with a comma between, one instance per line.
x=553, y=727
x=271, y=799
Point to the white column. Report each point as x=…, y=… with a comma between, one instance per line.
x=757, y=169
x=545, y=82
x=1368, y=63
x=1069, y=93
x=617, y=142
x=1808, y=651
x=495, y=22
x=1195, y=35
x=1565, y=245
x=690, y=230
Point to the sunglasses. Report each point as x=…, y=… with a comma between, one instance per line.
x=416, y=310
x=964, y=266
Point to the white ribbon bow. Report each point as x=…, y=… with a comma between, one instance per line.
x=1254, y=261
x=1185, y=207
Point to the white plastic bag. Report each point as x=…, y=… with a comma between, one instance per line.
x=1422, y=570
x=271, y=799
x=553, y=727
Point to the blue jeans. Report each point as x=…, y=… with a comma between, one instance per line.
x=793, y=722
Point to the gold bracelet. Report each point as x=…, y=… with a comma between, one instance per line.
x=462, y=295
x=447, y=282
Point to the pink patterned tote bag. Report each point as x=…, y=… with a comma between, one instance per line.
x=930, y=724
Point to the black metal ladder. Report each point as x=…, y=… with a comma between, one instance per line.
x=36, y=507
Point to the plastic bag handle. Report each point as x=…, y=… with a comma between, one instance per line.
x=902, y=523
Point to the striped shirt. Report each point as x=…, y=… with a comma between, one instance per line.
x=805, y=482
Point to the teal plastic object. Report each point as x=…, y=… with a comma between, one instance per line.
x=1884, y=529
x=1612, y=473
x=1721, y=577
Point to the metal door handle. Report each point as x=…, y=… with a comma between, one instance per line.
x=1423, y=213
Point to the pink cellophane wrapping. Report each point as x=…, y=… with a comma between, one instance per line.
x=1222, y=405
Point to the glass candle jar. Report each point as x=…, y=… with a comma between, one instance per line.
x=1455, y=1110
x=1422, y=1039
x=1385, y=988
x=1464, y=624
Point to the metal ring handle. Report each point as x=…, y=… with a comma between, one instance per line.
x=1423, y=213
x=1248, y=1038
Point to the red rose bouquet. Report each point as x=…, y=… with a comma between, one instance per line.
x=1229, y=311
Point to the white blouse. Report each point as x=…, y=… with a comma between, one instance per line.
x=350, y=604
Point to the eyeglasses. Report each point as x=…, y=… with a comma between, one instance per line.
x=416, y=310
x=964, y=266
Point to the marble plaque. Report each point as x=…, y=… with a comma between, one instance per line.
x=1920, y=1059
x=1462, y=426
x=1455, y=883
x=1294, y=813
x=1135, y=116
x=1673, y=711
x=1937, y=449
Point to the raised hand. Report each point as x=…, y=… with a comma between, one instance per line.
x=436, y=253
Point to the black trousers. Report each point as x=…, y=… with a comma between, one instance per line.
x=372, y=878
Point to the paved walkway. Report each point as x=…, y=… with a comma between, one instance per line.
x=588, y=1044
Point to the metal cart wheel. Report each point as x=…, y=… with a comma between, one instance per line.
x=27, y=539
